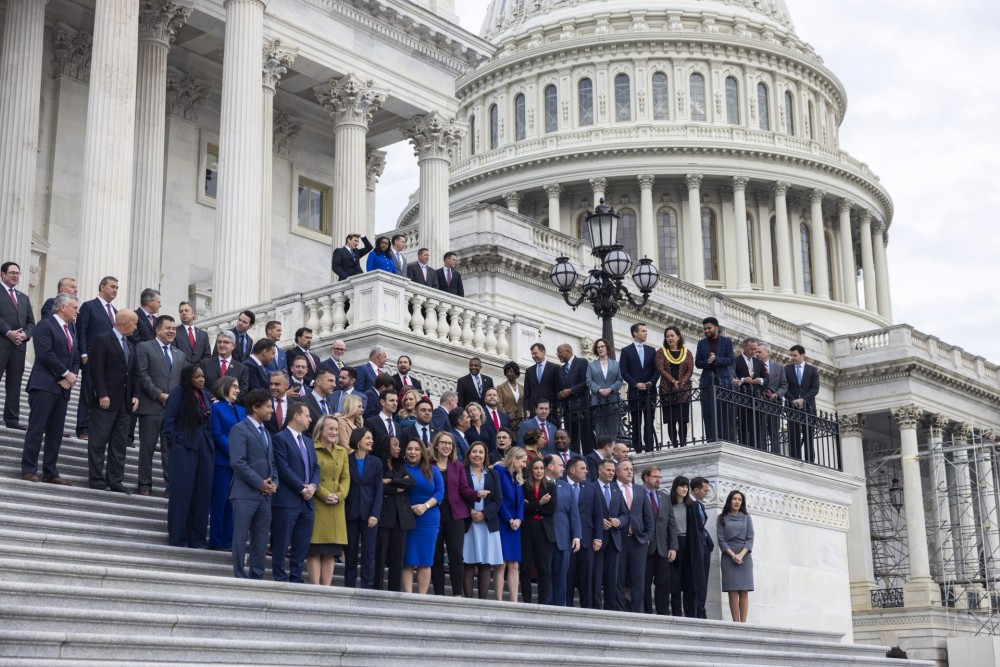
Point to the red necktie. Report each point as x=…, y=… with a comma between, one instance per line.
x=277, y=410
x=496, y=420
x=406, y=380
x=69, y=338
x=225, y=366
x=110, y=313
x=545, y=433
x=656, y=505
x=13, y=297
x=191, y=337
x=312, y=364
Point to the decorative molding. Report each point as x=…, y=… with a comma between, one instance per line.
x=851, y=425
x=781, y=188
x=599, y=184
x=552, y=190
x=275, y=62
x=72, y=50
x=907, y=416
x=350, y=100
x=740, y=183
x=784, y=505
x=512, y=199
x=845, y=205
x=646, y=181
x=434, y=136
x=693, y=181
x=159, y=20
x=374, y=165
x=816, y=195
x=185, y=94
x=286, y=131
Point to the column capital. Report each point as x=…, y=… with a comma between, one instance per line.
x=781, y=188
x=350, y=100
x=845, y=205
x=184, y=94
x=726, y=193
x=907, y=416
x=72, y=50
x=286, y=130
x=866, y=216
x=961, y=431
x=275, y=62
x=553, y=190
x=599, y=183
x=851, y=425
x=434, y=136
x=879, y=226
x=646, y=181
x=159, y=20
x=740, y=183
x=816, y=195
x=693, y=181
x=763, y=197
x=374, y=165
x=938, y=421
x=512, y=198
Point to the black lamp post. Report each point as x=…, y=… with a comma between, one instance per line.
x=604, y=287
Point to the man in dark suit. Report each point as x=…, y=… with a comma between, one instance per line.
x=749, y=380
x=191, y=340
x=255, y=481
x=404, y=379
x=638, y=368
x=458, y=421
x=159, y=365
x=367, y=372
x=382, y=425
x=715, y=359
x=566, y=531
x=495, y=418
x=440, y=418
x=17, y=322
x=608, y=541
x=224, y=363
x=635, y=540
x=540, y=381
x=421, y=429
x=243, y=341
x=335, y=362
x=303, y=341
x=273, y=331
x=420, y=272
x=65, y=286
x=803, y=387
x=775, y=390
x=347, y=259
x=280, y=402
x=347, y=384
x=372, y=404
x=57, y=361
x=574, y=399
x=603, y=448
x=699, y=489
x=471, y=387
x=540, y=421
x=114, y=398
x=262, y=355
x=318, y=398
x=292, y=509
x=581, y=563
x=448, y=279
x=398, y=246
x=663, y=545
x=146, y=313
x=97, y=316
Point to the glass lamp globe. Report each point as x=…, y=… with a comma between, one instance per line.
x=645, y=275
x=563, y=275
x=617, y=263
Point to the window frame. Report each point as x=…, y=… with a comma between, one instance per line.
x=665, y=92
x=206, y=141
x=734, y=103
x=320, y=182
x=703, y=95
x=520, y=118
x=580, y=106
x=554, y=127
x=763, y=107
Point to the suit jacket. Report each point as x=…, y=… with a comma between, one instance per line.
x=702, y=515
x=492, y=502
x=414, y=273
x=413, y=433
x=202, y=347
x=533, y=506
x=372, y=406
x=400, y=262
x=777, y=382
x=547, y=388
x=591, y=514
x=272, y=424
x=111, y=375
x=397, y=381
x=143, y=329
x=597, y=380
x=155, y=377
x=576, y=381
x=91, y=322
x=634, y=372
x=459, y=493
x=396, y=512
x=513, y=407
x=566, y=520
x=640, y=515
x=280, y=361
x=173, y=435
x=376, y=425
x=461, y=444
x=347, y=263
x=364, y=498
x=47, y=308
x=251, y=456
x=238, y=352
x=258, y=376
x=755, y=370
x=664, y=526
x=501, y=417
x=329, y=364
x=456, y=282
x=484, y=434
x=720, y=372
x=53, y=357
x=593, y=460
x=12, y=319
x=616, y=510
x=366, y=377
x=291, y=472
x=296, y=352
x=547, y=426
x=466, y=388
x=440, y=419
x=213, y=371
x=315, y=411
x=337, y=396
x=807, y=390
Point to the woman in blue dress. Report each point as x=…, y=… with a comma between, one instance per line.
x=380, y=259
x=511, y=515
x=482, y=550
x=225, y=415
x=425, y=497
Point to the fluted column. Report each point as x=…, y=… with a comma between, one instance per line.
x=850, y=273
x=374, y=168
x=696, y=244
x=553, y=191
x=108, y=177
x=941, y=534
x=879, y=240
x=859, y=546
x=159, y=21
x=920, y=590
x=434, y=139
x=785, y=279
x=820, y=270
x=742, y=241
x=647, y=220
x=599, y=185
x=513, y=201
x=868, y=261
x=20, y=104
x=767, y=259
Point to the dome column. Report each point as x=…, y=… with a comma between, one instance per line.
x=850, y=273
x=879, y=242
x=598, y=185
x=742, y=240
x=868, y=261
x=647, y=219
x=695, y=263
x=820, y=270
x=553, y=191
x=785, y=279
x=513, y=200
x=859, y=544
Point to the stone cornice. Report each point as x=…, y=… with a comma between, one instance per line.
x=914, y=368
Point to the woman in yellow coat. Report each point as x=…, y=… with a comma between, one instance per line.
x=330, y=527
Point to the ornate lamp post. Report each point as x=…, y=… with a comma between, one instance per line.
x=604, y=287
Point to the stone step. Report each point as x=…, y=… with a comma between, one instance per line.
x=92, y=501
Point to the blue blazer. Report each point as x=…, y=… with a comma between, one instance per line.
x=279, y=363
x=334, y=400
x=364, y=499
x=439, y=419
x=566, y=520
x=252, y=461
x=550, y=431
x=53, y=357
x=720, y=372
x=633, y=372
x=293, y=476
x=511, y=496
x=461, y=444
x=640, y=520
x=596, y=380
x=366, y=378
x=617, y=509
x=378, y=262
x=591, y=515
x=259, y=378
x=485, y=435
x=91, y=322
x=224, y=418
x=172, y=434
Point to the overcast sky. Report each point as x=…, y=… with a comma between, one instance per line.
x=923, y=107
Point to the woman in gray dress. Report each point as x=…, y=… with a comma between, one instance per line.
x=735, y=533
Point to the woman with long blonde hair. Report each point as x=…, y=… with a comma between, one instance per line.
x=511, y=516
x=349, y=419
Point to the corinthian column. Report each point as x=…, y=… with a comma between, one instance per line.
x=820, y=270
x=647, y=219
x=742, y=241
x=696, y=243
x=868, y=261
x=434, y=139
x=238, y=216
x=20, y=105
x=554, y=191
x=108, y=178
x=859, y=544
x=881, y=270
x=159, y=21
x=847, y=254
x=599, y=185
x=786, y=282
x=374, y=167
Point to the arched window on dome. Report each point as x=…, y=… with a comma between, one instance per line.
x=666, y=227
x=628, y=232
x=661, y=97
x=551, y=108
x=697, y=90
x=623, y=98
x=472, y=135
x=752, y=246
x=807, y=277
x=732, y=101
x=789, y=114
x=710, y=243
x=763, y=114
x=520, y=130
x=585, y=101
x=494, y=127
x=812, y=121
x=774, y=253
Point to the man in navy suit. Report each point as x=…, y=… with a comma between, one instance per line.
x=715, y=359
x=348, y=387
x=53, y=375
x=495, y=417
x=372, y=404
x=347, y=259
x=540, y=422
x=472, y=387
x=566, y=531
x=749, y=380
x=420, y=271
x=273, y=331
x=635, y=540
x=191, y=340
x=280, y=402
x=65, y=286
x=604, y=447
x=403, y=379
x=369, y=371
x=638, y=369
x=422, y=429
x=574, y=399
x=318, y=398
x=448, y=279
x=541, y=381
x=803, y=387
x=581, y=563
x=382, y=425
x=608, y=540
x=255, y=481
x=97, y=316
x=292, y=506
x=440, y=418
x=458, y=421
x=146, y=314
x=303, y=343
x=17, y=322
x=243, y=340
x=698, y=489
x=262, y=355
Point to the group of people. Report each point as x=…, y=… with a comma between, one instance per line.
x=387, y=255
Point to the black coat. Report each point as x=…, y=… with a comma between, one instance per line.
x=110, y=374
x=396, y=512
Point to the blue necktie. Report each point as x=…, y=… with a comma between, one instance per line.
x=166, y=356
x=538, y=373
x=642, y=354
x=263, y=436
x=305, y=459
x=125, y=349
x=576, y=493
x=607, y=495
x=566, y=370
x=798, y=374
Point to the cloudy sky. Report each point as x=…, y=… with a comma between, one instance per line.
x=922, y=97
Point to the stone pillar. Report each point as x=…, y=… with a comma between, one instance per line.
x=554, y=191
x=859, y=546
x=742, y=241
x=434, y=139
x=159, y=21
x=989, y=521
x=695, y=272
x=786, y=280
x=963, y=513
x=20, y=105
x=943, y=557
x=850, y=273
x=513, y=200
x=351, y=103
x=879, y=241
x=920, y=590
x=647, y=220
x=729, y=256
x=374, y=168
x=275, y=62
x=868, y=261
x=820, y=270
x=767, y=259
x=599, y=185
x=106, y=209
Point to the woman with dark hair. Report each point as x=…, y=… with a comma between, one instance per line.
x=454, y=513
x=362, y=509
x=539, y=506
x=532, y=442
x=735, y=533
x=330, y=527
x=511, y=516
x=425, y=497
x=687, y=572
x=604, y=380
x=675, y=366
x=397, y=517
x=482, y=550
x=380, y=258
x=504, y=440
x=225, y=415
x=187, y=434
x=512, y=392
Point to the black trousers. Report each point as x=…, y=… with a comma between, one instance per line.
x=536, y=551
x=187, y=510
x=46, y=419
x=451, y=535
x=658, y=575
x=683, y=598
x=797, y=433
x=581, y=578
x=12, y=367
x=108, y=437
x=390, y=545
x=82, y=409
x=676, y=416
x=606, y=575
x=640, y=407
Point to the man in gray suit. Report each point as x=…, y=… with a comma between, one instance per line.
x=663, y=545
x=255, y=480
x=17, y=321
x=398, y=246
x=160, y=366
x=774, y=392
x=635, y=541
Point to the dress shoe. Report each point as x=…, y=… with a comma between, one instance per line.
x=29, y=477
x=118, y=489
x=18, y=426
x=84, y=437
x=57, y=480
x=143, y=492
